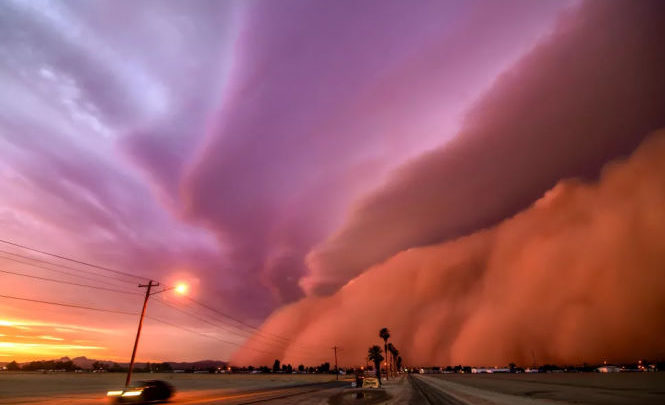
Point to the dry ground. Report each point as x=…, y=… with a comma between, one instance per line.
x=37, y=387
x=585, y=388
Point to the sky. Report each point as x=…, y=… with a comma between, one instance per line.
x=290, y=159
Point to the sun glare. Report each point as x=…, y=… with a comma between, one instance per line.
x=181, y=288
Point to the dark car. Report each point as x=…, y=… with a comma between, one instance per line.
x=359, y=380
x=143, y=392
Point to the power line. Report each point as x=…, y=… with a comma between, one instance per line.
x=126, y=313
x=209, y=308
x=54, y=270
x=117, y=291
x=200, y=319
x=225, y=326
x=85, y=307
x=132, y=276
x=60, y=265
x=208, y=336
x=69, y=305
x=114, y=290
x=255, y=330
x=52, y=280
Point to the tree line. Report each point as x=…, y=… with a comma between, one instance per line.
x=278, y=367
x=68, y=365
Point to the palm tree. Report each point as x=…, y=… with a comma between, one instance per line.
x=394, y=353
x=384, y=334
x=374, y=355
x=399, y=362
x=391, y=356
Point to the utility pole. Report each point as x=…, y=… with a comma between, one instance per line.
x=138, y=332
x=336, y=369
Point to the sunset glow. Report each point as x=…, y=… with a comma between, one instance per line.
x=34, y=340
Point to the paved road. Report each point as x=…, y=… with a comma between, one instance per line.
x=430, y=390
x=276, y=395
x=574, y=388
x=519, y=389
x=427, y=394
x=295, y=394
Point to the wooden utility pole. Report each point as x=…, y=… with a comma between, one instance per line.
x=336, y=369
x=138, y=332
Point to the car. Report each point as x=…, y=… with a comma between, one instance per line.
x=143, y=392
x=371, y=382
x=359, y=380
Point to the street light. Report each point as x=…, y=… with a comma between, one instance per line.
x=180, y=288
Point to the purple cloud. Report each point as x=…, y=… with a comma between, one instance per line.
x=323, y=100
x=588, y=94
x=230, y=138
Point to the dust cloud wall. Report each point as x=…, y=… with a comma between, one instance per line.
x=588, y=93
x=517, y=241
x=577, y=277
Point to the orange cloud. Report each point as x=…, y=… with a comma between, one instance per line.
x=61, y=327
x=30, y=343
x=577, y=277
x=588, y=93
x=39, y=351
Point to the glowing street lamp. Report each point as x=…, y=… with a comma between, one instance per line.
x=180, y=288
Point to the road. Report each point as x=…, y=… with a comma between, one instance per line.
x=544, y=389
x=295, y=394
x=431, y=390
x=90, y=388
x=308, y=393
x=424, y=393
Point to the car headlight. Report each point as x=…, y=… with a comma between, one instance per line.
x=113, y=393
x=132, y=393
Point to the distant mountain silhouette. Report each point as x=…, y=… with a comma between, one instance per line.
x=86, y=363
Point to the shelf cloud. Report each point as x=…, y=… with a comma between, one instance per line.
x=573, y=274
x=576, y=277
x=587, y=94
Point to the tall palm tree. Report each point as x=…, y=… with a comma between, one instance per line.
x=399, y=362
x=384, y=334
x=394, y=353
x=374, y=355
x=391, y=356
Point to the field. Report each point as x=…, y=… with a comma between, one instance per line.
x=87, y=387
x=588, y=388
